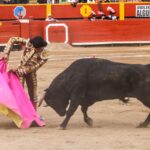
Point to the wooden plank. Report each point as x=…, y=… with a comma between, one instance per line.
x=9, y=29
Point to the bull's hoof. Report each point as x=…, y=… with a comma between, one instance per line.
x=142, y=125
x=89, y=121
x=60, y=128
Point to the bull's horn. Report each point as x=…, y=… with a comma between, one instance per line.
x=41, y=99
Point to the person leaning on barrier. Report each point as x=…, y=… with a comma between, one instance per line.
x=34, y=56
x=97, y=15
x=112, y=13
x=50, y=18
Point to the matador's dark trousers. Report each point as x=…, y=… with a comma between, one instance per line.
x=31, y=82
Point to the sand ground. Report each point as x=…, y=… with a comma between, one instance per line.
x=114, y=125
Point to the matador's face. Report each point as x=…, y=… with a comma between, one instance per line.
x=40, y=49
x=29, y=45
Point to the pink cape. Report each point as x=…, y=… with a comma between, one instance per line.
x=14, y=102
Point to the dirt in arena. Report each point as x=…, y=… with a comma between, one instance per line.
x=114, y=125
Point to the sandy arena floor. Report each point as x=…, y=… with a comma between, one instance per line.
x=114, y=122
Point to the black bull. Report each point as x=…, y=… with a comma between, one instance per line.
x=87, y=81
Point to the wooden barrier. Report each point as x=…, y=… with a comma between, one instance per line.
x=73, y=30
x=85, y=31
x=35, y=11
x=40, y=11
x=79, y=31
x=9, y=29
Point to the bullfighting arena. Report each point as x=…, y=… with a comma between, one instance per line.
x=114, y=126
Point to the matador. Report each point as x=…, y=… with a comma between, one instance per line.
x=34, y=56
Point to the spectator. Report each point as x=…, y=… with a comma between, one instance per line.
x=50, y=18
x=23, y=1
x=112, y=12
x=74, y=3
x=93, y=16
x=82, y=1
x=7, y=1
x=42, y=1
x=99, y=14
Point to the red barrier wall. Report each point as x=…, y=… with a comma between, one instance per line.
x=34, y=11
x=81, y=30
x=9, y=29
x=36, y=28
x=15, y=28
x=104, y=31
x=130, y=8
x=74, y=12
x=57, y=34
x=39, y=11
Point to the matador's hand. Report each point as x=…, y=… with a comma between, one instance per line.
x=13, y=69
x=6, y=56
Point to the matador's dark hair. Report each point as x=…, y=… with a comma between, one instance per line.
x=38, y=42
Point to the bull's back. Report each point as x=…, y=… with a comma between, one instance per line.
x=96, y=73
x=109, y=79
x=72, y=76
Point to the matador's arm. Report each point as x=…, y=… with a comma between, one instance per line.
x=11, y=42
x=28, y=69
x=33, y=66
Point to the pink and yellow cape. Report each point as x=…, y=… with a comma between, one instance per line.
x=14, y=102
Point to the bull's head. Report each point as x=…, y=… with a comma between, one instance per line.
x=57, y=101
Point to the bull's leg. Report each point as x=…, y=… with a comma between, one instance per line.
x=87, y=119
x=145, y=123
x=72, y=108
